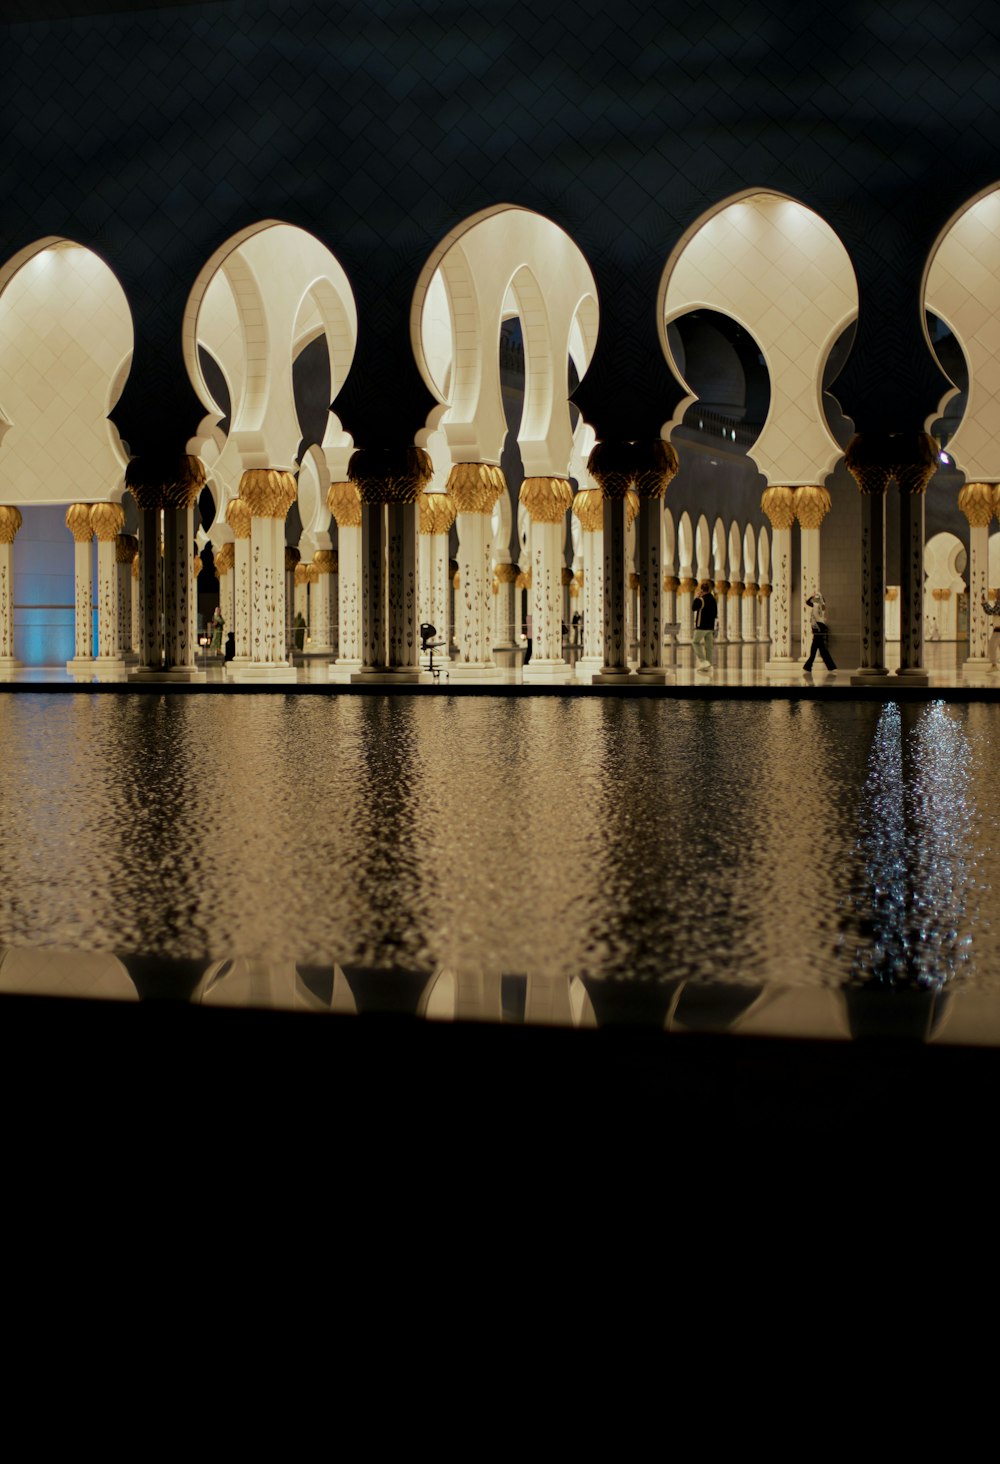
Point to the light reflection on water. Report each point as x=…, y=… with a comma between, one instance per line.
x=638, y=841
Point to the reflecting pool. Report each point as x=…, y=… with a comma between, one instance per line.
x=645, y=842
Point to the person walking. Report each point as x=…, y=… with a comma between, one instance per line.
x=994, y=612
x=706, y=612
x=820, y=634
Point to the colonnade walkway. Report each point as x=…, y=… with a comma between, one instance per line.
x=738, y=670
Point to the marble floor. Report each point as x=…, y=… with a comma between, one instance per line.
x=737, y=668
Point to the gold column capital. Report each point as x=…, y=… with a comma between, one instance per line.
x=978, y=501
x=778, y=503
x=476, y=487
x=438, y=512
x=107, y=520
x=344, y=502
x=238, y=517
x=268, y=492
x=588, y=506
x=812, y=504
x=79, y=523
x=547, y=499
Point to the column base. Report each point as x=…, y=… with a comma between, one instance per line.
x=588, y=666
x=652, y=675
x=474, y=671
x=976, y=663
x=342, y=671
x=265, y=671
x=873, y=676
x=782, y=665
x=387, y=676
x=612, y=676
x=913, y=676
x=109, y=668
x=551, y=670
x=81, y=666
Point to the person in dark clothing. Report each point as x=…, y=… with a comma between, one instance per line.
x=706, y=612
x=820, y=634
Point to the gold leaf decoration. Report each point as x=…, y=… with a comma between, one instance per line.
x=126, y=549
x=473, y=487
x=325, y=561
x=10, y=522
x=238, y=517
x=978, y=502
x=812, y=504
x=506, y=574
x=588, y=505
x=547, y=499
x=107, y=520
x=437, y=512
x=78, y=522
x=270, y=492
x=778, y=504
x=344, y=503
x=225, y=558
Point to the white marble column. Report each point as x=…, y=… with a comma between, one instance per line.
x=505, y=577
x=546, y=500
x=588, y=506
x=977, y=501
x=812, y=504
x=239, y=519
x=345, y=505
x=321, y=596
x=437, y=514
x=10, y=522
x=107, y=519
x=778, y=503
x=268, y=493
x=474, y=488
x=748, y=610
x=300, y=603
x=80, y=526
x=225, y=566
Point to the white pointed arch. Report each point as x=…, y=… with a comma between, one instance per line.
x=703, y=549
x=504, y=261
x=779, y=270
x=685, y=542
x=66, y=339
x=262, y=296
x=962, y=287
x=669, y=540
x=749, y=553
